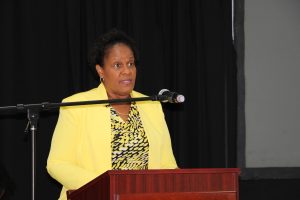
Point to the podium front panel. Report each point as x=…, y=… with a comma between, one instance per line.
x=194, y=183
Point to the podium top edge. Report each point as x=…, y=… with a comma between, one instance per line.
x=175, y=171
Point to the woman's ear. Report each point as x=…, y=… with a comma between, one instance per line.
x=99, y=70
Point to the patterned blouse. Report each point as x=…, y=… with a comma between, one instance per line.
x=130, y=146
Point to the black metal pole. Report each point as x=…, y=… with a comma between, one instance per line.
x=48, y=105
x=33, y=117
x=33, y=162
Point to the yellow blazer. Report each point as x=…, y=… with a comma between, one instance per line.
x=81, y=144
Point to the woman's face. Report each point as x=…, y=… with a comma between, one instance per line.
x=118, y=71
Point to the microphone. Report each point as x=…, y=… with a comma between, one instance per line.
x=171, y=97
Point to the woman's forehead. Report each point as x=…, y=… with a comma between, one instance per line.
x=119, y=50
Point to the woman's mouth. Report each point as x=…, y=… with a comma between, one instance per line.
x=126, y=82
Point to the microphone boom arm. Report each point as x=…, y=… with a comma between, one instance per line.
x=48, y=105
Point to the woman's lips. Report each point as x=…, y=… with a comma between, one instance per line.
x=126, y=82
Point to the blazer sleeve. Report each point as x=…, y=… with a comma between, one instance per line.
x=168, y=160
x=61, y=163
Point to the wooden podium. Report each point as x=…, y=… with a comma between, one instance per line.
x=176, y=184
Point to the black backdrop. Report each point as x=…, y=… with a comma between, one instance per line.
x=185, y=46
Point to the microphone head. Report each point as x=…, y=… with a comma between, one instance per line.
x=171, y=97
x=180, y=98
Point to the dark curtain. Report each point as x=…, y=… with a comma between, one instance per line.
x=185, y=46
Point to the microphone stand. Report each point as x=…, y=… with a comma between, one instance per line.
x=33, y=113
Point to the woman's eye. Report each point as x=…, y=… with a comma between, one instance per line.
x=117, y=65
x=131, y=64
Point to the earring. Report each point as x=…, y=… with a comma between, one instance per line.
x=101, y=79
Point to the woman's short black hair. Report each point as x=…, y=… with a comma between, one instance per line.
x=104, y=42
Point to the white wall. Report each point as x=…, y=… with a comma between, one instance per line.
x=272, y=78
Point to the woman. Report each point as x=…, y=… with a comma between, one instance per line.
x=89, y=140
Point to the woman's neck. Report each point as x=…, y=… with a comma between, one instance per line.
x=115, y=96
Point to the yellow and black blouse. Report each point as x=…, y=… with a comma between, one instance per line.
x=130, y=146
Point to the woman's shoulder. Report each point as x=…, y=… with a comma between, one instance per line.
x=92, y=94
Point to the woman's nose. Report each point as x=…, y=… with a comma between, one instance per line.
x=126, y=70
